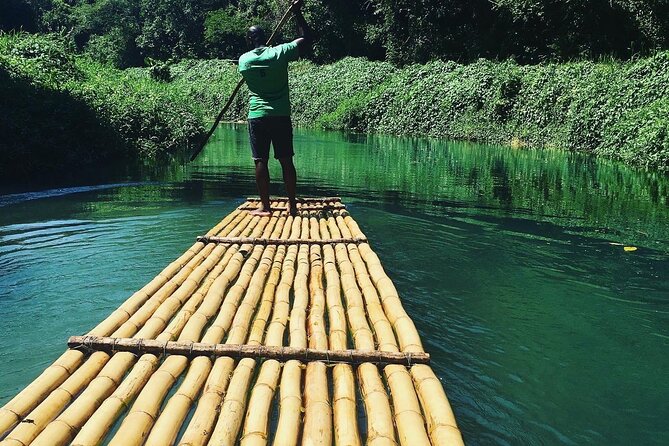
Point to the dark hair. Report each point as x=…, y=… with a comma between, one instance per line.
x=256, y=35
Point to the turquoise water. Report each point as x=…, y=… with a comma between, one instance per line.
x=543, y=329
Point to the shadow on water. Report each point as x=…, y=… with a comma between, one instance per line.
x=511, y=263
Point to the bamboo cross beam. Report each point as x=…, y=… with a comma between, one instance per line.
x=302, y=200
x=282, y=354
x=278, y=241
x=300, y=206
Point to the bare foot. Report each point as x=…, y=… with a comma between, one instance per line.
x=260, y=212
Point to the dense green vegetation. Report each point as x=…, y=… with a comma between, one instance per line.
x=614, y=109
x=60, y=113
x=64, y=112
x=126, y=32
x=122, y=79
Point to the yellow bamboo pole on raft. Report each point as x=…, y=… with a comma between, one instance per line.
x=234, y=405
x=317, y=429
x=26, y=400
x=53, y=404
x=343, y=380
x=138, y=422
x=204, y=418
x=257, y=418
x=255, y=429
x=441, y=424
x=173, y=415
x=67, y=424
x=240, y=326
x=100, y=422
x=406, y=408
x=60, y=431
x=202, y=423
x=380, y=429
x=290, y=398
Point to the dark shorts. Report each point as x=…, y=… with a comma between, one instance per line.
x=275, y=130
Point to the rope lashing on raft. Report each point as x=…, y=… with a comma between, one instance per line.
x=301, y=200
x=277, y=241
x=300, y=207
x=238, y=351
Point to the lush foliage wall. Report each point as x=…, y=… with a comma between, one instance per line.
x=616, y=109
x=134, y=32
x=62, y=111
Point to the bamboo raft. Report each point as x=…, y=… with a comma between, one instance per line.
x=267, y=330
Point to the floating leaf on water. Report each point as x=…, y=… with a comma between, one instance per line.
x=630, y=248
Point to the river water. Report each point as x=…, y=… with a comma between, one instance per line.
x=512, y=263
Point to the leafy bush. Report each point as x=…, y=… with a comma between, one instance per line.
x=43, y=60
x=609, y=108
x=61, y=113
x=615, y=109
x=224, y=31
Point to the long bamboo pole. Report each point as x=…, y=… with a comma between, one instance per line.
x=301, y=207
x=231, y=418
x=56, y=401
x=65, y=366
x=290, y=398
x=206, y=413
x=380, y=429
x=406, y=408
x=232, y=411
x=140, y=419
x=257, y=416
x=259, y=407
x=441, y=424
x=173, y=415
x=317, y=429
x=99, y=423
x=343, y=397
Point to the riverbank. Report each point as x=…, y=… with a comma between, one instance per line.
x=62, y=114
x=618, y=110
x=65, y=112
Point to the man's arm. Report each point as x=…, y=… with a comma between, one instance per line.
x=307, y=35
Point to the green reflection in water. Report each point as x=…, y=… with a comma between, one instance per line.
x=580, y=192
x=541, y=330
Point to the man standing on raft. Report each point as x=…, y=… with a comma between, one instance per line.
x=265, y=70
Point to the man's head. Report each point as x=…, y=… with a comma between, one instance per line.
x=255, y=36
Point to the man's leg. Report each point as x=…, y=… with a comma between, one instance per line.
x=290, y=180
x=282, y=139
x=262, y=180
x=260, y=140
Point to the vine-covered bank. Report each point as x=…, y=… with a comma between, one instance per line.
x=62, y=111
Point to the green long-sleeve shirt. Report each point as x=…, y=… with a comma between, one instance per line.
x=265, y=71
